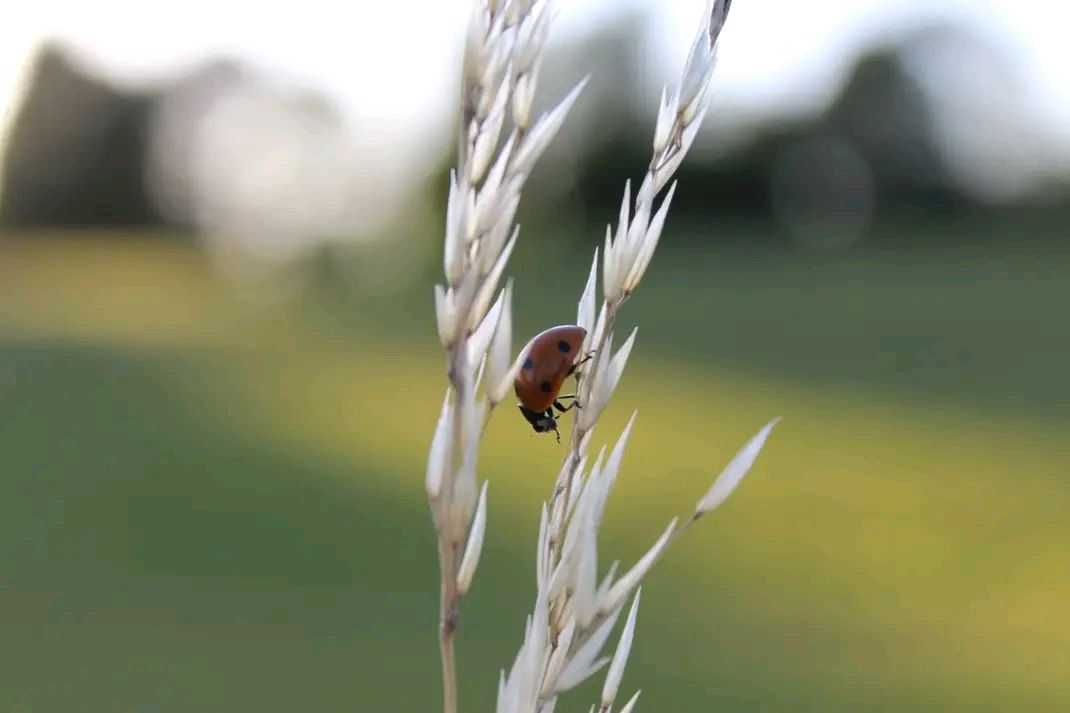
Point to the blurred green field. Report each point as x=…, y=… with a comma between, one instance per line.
x=210, y=501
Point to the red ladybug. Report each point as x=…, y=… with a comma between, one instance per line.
x=551, y=357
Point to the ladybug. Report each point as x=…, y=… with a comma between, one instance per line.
x=550, y=358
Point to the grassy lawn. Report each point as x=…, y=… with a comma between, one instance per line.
x=211, y=502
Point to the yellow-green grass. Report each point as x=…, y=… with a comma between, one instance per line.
x=213, y=501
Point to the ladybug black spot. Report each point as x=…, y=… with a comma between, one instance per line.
x=564, y=346
x=546, y=386
x=529, y=364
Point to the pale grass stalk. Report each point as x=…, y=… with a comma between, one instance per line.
x=497, y=149
x=574, y=613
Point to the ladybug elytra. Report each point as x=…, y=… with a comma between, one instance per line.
x=551, y=357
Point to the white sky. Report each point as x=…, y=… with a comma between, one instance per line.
x=392, y=65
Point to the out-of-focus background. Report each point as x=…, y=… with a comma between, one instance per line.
x=219, y=371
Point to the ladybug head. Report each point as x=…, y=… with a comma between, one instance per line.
x=541, y=422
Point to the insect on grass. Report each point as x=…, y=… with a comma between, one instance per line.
x=575, y=609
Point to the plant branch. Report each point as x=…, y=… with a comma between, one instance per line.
x=449, y=616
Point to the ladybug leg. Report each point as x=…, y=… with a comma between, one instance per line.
x=584, y=360
x=553, y=423
x=562, y=408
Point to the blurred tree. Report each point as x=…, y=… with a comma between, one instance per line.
x=884, y=114
x=881, y=115
x=76, y=154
